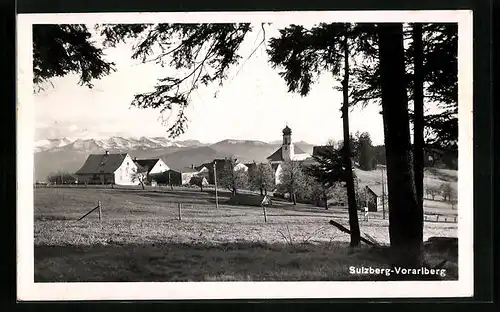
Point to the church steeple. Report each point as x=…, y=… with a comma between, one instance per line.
x=287, y=148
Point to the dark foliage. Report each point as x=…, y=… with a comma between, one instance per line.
x=59, y=50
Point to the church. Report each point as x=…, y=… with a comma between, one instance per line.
x=287, y=152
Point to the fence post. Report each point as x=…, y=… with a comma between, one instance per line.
x=100, y=212
x=179, y=205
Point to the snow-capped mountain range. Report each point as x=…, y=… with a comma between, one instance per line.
x=68, y=155
x=112, y=143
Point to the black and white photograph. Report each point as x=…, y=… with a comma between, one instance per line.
x=244, y=155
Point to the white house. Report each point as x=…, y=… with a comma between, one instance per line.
x=108, y=168
x=152, y=166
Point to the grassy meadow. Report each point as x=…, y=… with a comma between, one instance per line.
x=140, y=237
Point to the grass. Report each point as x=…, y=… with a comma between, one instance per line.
x=141, y=239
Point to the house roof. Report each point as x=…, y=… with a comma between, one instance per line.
x=376, y=189
x=141, y=168
x=147, y=164
x=205, y=165
x=101, y=163
x=173, y=170
x=278, y=155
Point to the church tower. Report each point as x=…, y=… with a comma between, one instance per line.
x=287, y=149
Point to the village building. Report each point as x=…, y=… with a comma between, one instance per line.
x=251, y=167
x=108, y=168
x=207, y=169
x=287, y=152
x=373, y=197
x=153, y=167
x=203, y=171
x=187, y=173
x=170, y=177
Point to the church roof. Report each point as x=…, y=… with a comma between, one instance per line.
x=278, y=155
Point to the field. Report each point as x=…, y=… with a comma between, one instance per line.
x=141, y=238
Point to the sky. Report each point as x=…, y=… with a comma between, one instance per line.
x=253, y=104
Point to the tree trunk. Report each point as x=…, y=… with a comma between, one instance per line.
x=405, y=217
x=261, y=192
x=351, y=195
x=418, y=107
x=142, y=184
x=325, y=197
x=294, y=199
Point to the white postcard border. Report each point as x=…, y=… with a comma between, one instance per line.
x=28, y=290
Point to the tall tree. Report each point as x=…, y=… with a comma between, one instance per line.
x=405, y=217
x=366, y=152
x=346, y=153
x=418, y=108
x=440, y=79
x=305, y=54
x=328, y=169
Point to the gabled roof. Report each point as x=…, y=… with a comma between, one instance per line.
x=141, y=168
x=206, y=165
x=102, y=163
x=147, y=164
x=278, y=155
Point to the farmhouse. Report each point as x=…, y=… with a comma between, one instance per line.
x=203, y=171
x=374, y=196
x=152, y=166
x=109, y=168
